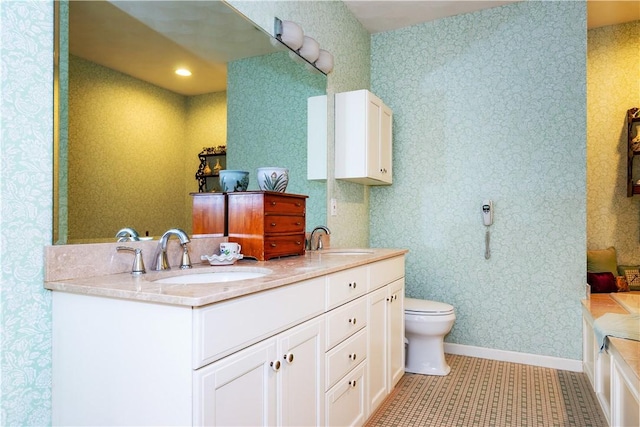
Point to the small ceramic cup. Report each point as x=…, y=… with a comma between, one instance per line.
x=228, y=248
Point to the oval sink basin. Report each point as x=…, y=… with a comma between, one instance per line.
x=346, y=252
x=211, y=277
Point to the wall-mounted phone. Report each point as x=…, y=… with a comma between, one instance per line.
x=487, y=212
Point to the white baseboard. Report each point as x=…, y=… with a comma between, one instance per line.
x=514, y=357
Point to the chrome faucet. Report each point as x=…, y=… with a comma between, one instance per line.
x=319, y=243
x=127, y=234
x=160, y=257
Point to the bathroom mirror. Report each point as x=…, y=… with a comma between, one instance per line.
x=128, y=135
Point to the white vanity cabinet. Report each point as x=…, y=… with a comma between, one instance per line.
x=363, y=138
x=289, y=356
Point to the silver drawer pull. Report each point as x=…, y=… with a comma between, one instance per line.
x=353, y=320
x=352, y=383
x=273, y=203
x=352, y=356
x=273, y=224
x=298, y=242
x=275, y=365
x=298, y=223
x=289, y=357
x=273, y=245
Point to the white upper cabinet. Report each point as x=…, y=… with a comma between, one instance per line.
x=363, y=138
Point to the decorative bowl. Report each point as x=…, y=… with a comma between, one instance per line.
x=233, y=180
x=273, y=179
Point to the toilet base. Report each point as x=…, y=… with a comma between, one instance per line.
x=425, y=356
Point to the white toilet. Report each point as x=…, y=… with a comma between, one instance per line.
x=426, y=323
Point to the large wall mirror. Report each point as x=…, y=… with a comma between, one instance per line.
x=130, y=130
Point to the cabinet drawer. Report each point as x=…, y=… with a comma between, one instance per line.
x=227, y=326
x=283, y=245
x=274, y=203
x=345, y=402
x=283, y=224
x=345, y=321
x=345, y=286
x=345, y=357
x=385, y=272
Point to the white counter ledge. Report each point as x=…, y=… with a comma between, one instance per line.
x=284, y=271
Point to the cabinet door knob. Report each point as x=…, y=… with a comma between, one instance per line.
x=352, y=383
x=273, y=203
x=289, y=357
x=352, y=356
x=298, y=223
x=298, y=204
x=352, y=320
x=275, y=365
x=352, y=285
x=273, y=245
x=273, y=224
x=298, y=242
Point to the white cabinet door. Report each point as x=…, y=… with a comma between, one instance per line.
x=239, y=390
x=279, y=381
x=301, y=378
x=363, y=138
x=377, y=350
x=378, y=147
x=385, y=326
x=396, y=333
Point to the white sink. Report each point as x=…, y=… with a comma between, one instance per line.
x=345, y=252
x=211, y=277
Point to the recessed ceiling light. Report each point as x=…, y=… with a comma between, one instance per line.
x=183, y=72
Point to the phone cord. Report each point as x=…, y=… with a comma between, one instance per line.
x=487, y=239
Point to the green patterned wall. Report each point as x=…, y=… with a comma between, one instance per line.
x=613, y=87
x=268, y=125
x=490, y=105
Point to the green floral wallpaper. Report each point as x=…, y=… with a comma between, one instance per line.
x=490, y=105
x=26, y=145
x=613, y=87
x=268, y=125
x=336, y=29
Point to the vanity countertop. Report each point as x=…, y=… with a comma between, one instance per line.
x=600, y=304
x=284, y=271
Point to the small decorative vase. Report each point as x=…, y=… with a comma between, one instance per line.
x=217, y=167
x=207, y=169
x=273, y=179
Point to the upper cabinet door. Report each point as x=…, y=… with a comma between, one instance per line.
x=363, y=134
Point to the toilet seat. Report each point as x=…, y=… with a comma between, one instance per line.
x=426, y=307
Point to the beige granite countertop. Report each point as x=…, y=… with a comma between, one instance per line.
x=600, y=304
x=283, y=271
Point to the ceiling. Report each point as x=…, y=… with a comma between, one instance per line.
x=100, y=29
x=384, y=15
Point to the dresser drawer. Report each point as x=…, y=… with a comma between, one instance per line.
x=345, y=321
x=345, y=286
x=274, y=203
x=283, y=245
x=345, y=402
x=386, y=271
x=283, y=224
x=345, y=357
x=227, y=326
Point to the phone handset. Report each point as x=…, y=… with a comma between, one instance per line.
x=487, y=219
x=487, y=212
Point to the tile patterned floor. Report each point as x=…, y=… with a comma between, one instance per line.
x=482, y=392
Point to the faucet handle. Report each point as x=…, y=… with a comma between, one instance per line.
x=138, y=262
x=186, y=261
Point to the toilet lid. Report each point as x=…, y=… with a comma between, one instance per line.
x=413, y=305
